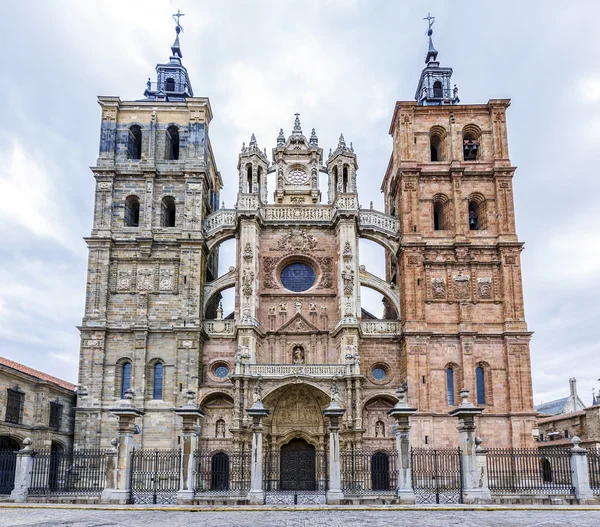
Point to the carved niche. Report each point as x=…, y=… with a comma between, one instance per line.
x=438, y=288
x=461, y=286
x=484, y=288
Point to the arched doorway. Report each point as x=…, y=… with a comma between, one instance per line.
x=298, y=466
x=219, y=472
x=56, y=450
x=8, y=463
x=380, y=471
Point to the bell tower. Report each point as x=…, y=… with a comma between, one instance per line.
x=252, y=168
x=341, y=168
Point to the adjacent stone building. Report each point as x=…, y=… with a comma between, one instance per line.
x=454, y=313
x=36, y=405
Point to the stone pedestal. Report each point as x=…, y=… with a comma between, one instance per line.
x=257, y=412
x=334, y=412
x=23, y=473
x=190, y=430
x=127, y=413
x=475, y=483
x=580, y=473
x=110, y=477
x=401, y=414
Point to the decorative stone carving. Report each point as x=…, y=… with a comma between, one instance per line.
x=510, y=260
x=379, y=429
x=438, y=288
x=283, y=306
x=269, y=264
x=247, y=282
x=348, y=279
x=298, y=305
x=187, y=344
x=413, y=260
x=194, y=186
x=248, y=252
x=145, y=279
x=347, y=254
x=484, y=288
x=104, y=185
x=313, y=307
x=297, y=240
x=461, y=286
x=165, y=282
x=124, y=280
x=298, y=355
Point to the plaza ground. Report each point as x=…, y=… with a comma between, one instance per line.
x=86, y=516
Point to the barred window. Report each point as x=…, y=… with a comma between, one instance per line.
x=56, y=411
x=125, y=378
x=157, y=392
x=14, y=406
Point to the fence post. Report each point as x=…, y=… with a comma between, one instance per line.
x=579, y=473
x=190, y=414
x=334, y=412
x=475, y=485
x=257, y=411
x=127, y=413
x=401, y=414
x=23, y=473
x=110, y=478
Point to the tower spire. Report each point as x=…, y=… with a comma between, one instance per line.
x=175, y=48
x=431, y=52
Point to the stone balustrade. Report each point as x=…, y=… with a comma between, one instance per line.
x=290, y=370
x=380, y=328
x=220, y=219
x=220, y=327
x=379, y=221
x=302, y=213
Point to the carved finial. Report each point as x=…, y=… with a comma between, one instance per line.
x=314, y=140
x=281, y=138
x=342, y=142
x=265, y=152
x=351, y=147
x=297, y=128
x=27, y=442
x=330, y=152
x=371, y=205
x=222, y=204
x=149, y=84
x=244, y=146
x=252, y=142
x=220, y=311
x=129, y=394
x=175, y=49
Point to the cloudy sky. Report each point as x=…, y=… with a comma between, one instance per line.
x=342, y=64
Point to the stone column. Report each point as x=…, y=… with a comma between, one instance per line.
x=190, y=414
x=110, y=477
x=475, y=484
x=580, y=473
x=127, y=413
x=401, y=414
x=23, y=472
x=334, y=412
x=257, y=412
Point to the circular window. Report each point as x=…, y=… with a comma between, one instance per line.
x=378, y=374
x=221, y=371
x=298, y=277
x=297, y=176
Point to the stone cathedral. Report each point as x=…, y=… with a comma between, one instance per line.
x=452, y=290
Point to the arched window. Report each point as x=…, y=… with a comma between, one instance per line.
x=435, y=148
x=474, y=216
x=249, y=179
x=157, y=386
x=437, y=90
x=450, y=385
x=125, y=378
x=172, y=143
x=259, y=179
x=471, y=143
x=438, y=216
x=335, y=179
x=170, y=84
x=480, y=383
x=132, y=211
x=437, y=136
x=345, y=179
x=219, y=474
x=134, y=142
x=167, y=213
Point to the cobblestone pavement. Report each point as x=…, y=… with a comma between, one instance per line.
x=295, y=518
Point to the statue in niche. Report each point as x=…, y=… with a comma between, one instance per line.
x=220, y=428
x=298, y=355
x=379, y=429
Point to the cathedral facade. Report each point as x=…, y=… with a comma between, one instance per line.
x=452, y=290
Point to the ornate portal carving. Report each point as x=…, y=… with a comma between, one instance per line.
x=461, y=286
x=297, y=240
x=438, y=288
x=484, y=288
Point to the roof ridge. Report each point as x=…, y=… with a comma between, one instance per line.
x=36, y=373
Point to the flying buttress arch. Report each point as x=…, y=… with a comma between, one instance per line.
x=381, y=286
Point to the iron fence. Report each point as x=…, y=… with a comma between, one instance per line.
x=529, y=471
x=593, y=460
x=8, y=465
x=295, y=471
x=437, y=475
x=68, y=472
x=155, y=475
x=222, y=473
x=366, y=471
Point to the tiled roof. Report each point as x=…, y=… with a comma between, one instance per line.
x=36, y=373
x=552, y=407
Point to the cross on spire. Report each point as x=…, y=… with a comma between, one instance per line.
x=176, y=17
x=430, y=20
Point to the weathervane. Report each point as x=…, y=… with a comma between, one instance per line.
x=176, y=17
x=430, y=20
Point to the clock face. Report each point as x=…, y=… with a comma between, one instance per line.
x=297, y=176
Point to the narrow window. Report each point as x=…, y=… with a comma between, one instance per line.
x=345, y=179
x=170, y=84
x=134, y=143
x=132, y=211
x=480, y=381
x=157, y=392
x=438, y=216
x=435, y=144
x=14, y=406
x=56, y=410
x=566, y=434
x=450, y=385
x=437, y=90
x=259, y=179
x=335, y=179
x=470, y=147
x=125, y=378
x=474, y=224
x=249, y=179
x=167, y=214
x=172, y=143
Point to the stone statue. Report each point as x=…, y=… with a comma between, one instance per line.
x=298, y=355
x=379, y=429
x=220, y=431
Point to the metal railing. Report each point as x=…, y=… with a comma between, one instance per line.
x=593, y=461
x=222, y=473
x=295, y=471
x=8, y=464
x=529, y=471
x=437, y=475
x=368, y=472
x=68, y=472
